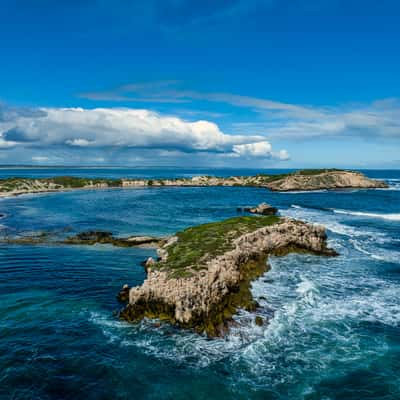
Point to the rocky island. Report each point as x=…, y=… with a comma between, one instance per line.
x=303, y=180
x=203, y=274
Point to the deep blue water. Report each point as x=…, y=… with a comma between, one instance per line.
x=334, y=323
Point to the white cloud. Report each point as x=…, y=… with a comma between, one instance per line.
x=260, y=149
x=165, y=92
x=279, y=119
x=124, y=128
x=78, y=142
x=283, y=155
x=40, y=158
x=6, y=144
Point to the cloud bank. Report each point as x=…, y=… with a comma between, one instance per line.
x=123, y=128
x=379, y=119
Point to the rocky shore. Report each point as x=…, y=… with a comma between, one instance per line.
x=17, y=186
x=102, y=237
x=204, y=273
x=83, y=238
x=303, y=180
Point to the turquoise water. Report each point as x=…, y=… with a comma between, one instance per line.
x=334, y=323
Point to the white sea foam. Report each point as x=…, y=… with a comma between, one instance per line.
x=376, y=252
x=313, y=327
x=312, y=307
x=363, y=240
x=284, y=352
x=328, y=219
x=391, y=217
x=304, y=191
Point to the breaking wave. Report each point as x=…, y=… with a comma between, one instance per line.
x=390, y=217
x=327, y=218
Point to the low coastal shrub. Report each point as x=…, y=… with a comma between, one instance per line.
x=16, y=183
x=316, y=171
x=68, y=181
x=76, y=182
x=199, y=244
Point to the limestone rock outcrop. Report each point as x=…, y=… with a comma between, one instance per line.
x=325, y=180
x=299, y=181
x=207, y=298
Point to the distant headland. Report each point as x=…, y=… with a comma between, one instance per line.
x=302, y=180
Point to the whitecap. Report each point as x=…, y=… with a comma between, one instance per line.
x=377, y=253
x=329, y=220
x=305, y=191
x=391, y=217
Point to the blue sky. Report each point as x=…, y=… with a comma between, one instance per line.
x=213, y=83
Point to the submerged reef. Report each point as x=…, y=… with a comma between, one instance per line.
x=203, y=274
x=82, y=238
x=93, y=237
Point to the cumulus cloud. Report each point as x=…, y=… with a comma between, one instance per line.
x=124, y=128
x=259, y=150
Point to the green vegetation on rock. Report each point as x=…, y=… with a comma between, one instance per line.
x=197, y=245
x=57, y=182
x=309, y=172
x=76, y=182
x=308, y=179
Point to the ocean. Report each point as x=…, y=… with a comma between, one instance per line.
x=333, y=328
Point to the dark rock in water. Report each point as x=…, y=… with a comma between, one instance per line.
x=93, y=237
x=90, y=237
x=2, y=215
x=28, y=238
x=123, y=295
x=259, y=321
x=262, y=209
x=268, y=280
x=96, y=236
